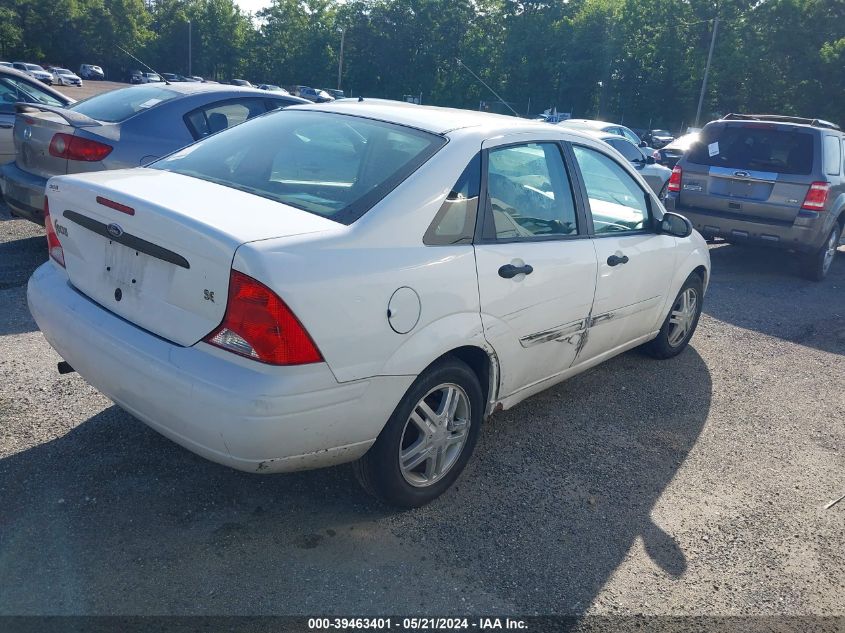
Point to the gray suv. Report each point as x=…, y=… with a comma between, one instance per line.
x=766, y=179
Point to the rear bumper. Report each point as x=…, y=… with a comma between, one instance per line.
x=23, y=191
x=233, y=411
x=804, y=234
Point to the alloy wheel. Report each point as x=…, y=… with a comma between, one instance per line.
x=682, y=316
x=434, y=435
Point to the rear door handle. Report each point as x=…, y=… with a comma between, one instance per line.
x=615, y=260
x=508, y=271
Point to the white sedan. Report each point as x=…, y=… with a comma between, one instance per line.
x=360, y=282
x=65, y=77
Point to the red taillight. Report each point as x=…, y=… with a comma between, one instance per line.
x=816, y=196
x=54, y=246
x=675, y=179
x=259, y=325
x=77, y=148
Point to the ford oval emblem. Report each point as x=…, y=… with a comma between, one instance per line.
x=27, y=133
x=741, y=174
x=114, y=230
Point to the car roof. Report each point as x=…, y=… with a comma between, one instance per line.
x=429, y=118
x=589, y=123
x=604, y=136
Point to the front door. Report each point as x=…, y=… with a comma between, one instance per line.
x=536, y=263
x=635, y=263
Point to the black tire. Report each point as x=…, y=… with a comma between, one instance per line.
x=379, y=472
x=816, y=266
x=661, y=347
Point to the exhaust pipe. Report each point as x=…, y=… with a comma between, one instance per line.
x=65, y=368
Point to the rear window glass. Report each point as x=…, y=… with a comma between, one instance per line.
x=754, y=148
x=332, y=165
x=119, y=105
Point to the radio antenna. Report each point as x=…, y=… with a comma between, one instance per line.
x=469, y=70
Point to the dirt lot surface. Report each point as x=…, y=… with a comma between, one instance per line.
x=690, y=486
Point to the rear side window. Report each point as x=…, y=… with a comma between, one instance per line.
x=336, y=166
x=218, y=116
x=455, y=221
x=629, y=151
x=832, y=155
x=119, y=105
x=756, y=147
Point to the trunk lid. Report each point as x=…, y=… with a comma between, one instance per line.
x=750, y=171
x=35, y=127
x=166, y=266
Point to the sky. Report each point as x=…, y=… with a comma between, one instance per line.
x=253, y=5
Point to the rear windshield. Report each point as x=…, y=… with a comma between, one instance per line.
x=119, y=105
x=754, y=147
x=332, y=165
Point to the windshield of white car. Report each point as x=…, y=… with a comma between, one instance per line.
x=63, y=71
x=119, y=105
x=33, y=67
x=336, y=166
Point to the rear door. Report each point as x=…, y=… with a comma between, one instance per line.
x=750, y=171
x=635, y=264
x=536, y=264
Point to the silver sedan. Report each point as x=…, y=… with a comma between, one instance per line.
x=119, y=129
x=655, y=175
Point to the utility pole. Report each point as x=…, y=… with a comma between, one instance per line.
x=189, y=49
x=340, y=57
x=706, y=70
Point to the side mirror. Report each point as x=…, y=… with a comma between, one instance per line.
x=642, y=144
x=675, y=224
x=649, y=160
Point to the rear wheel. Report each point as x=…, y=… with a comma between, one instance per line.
x=681, y=321
x=428, y=440
x=815, y=266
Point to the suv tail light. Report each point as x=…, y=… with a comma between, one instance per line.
x=259, y=325
x=816, y=196
x=54, y=246
x=77, y=148
x=675, y=179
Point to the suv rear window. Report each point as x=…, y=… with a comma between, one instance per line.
x=119, y=105
x=754, y=147
x=333, y=165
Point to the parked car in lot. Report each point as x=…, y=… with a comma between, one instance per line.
x=123, y=128
x=273, y=88
x=65, y=77
x=669, y=155
x=136, y=77
x=241, y=82
x=312, y=94
x=766, y=179
x=657, y=176
x=151, y=78
x=604, y=126
x=658, y=138
x=90, y=71
x=18, y=87
x=344, y=282
x=35, y=71
x=335, y=94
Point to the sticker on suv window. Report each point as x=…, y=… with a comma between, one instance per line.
x=713, y=148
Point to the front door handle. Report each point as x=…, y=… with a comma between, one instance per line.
x=615, y=260
x=509, y=271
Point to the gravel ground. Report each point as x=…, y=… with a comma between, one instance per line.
x=690, y=486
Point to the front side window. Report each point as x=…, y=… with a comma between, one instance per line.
x=628, y=134
x=617, y=203
x=333, y=165
x=529, y=194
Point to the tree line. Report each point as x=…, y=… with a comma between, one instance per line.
x=639, y=62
